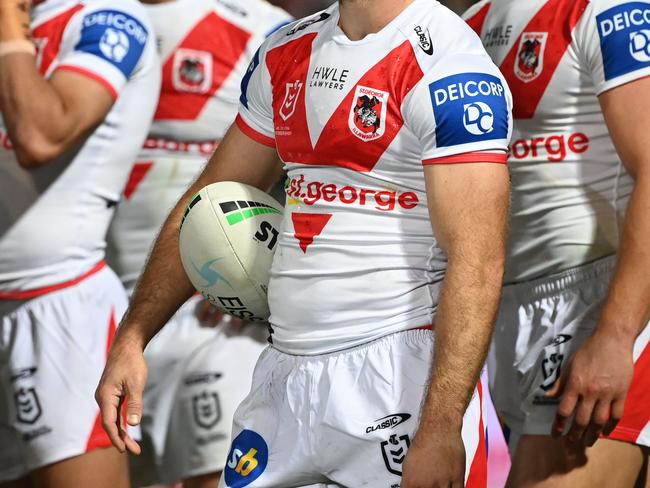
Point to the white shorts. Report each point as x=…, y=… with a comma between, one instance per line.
x=197, y=377
x=340, y=419
x=52, y=353
x=540, y=326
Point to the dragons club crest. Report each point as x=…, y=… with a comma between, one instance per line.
x=530, y=56
x=367, y=118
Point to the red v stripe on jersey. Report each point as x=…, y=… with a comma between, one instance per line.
x=48, y=37
x=477, y=20
x=224, y=49
x=558, y=18
x=139, y=171
x=307, y=226
x=397, y=74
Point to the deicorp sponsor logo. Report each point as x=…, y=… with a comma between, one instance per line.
x=469, y=107
x=313, y=192
x=114, y=36
x=624, y=33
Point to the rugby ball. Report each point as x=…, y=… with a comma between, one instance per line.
x=228, y=235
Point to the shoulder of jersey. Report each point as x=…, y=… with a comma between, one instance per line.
x=474, y=9
x=436, y=32
x=301, y=27
x=132, y=7
x=253, y=15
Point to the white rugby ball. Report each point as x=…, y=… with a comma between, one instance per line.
x=228, y=235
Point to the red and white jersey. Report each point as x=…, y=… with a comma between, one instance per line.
x=206, y=47
x=354, y=122
x=53, y=219
x=569, y=187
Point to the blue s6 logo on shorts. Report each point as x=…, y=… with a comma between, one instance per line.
x=624, y=33
x=247, y=459
x=114, y=36
x=469, y=107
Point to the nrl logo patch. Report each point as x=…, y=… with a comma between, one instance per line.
x=206, y=409
x=530, y=56
x=290, y=99
x=367, y=118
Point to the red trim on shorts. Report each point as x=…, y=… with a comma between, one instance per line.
x=477, y=477
x=92, y=75
x=636, y=414
x=37, y=292
x=253, y=134
x=98, y=437
x=471, y=157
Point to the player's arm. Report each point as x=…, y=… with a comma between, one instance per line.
x=595, y=384
x=44, y=118
x=164, y=286
x=468, y=206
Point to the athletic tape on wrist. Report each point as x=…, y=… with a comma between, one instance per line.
x=12, y=47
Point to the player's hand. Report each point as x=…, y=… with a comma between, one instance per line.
x=211, y=316
x=435, y=460
x=593, y=388
x=123, y=381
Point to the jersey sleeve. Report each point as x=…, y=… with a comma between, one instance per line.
x=105, y=43
x=613, y=39
x=461, y=111
x=255, y=116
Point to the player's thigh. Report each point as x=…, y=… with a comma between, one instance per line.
x=546, y=462
x=210, y=480
x=100, y=468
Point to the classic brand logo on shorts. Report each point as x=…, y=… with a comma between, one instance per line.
x=290, y=99
x=367, y=118
x=114, y=36
x=192, y=71
x=388, y=422
x=312, y=192
x=624, y=33
x=469, y=107
x=530, y=56
x=247, y=459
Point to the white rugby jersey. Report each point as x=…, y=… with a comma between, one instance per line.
x=206, y=46
x=53, y=219
x=354, y=121
x=569, y=188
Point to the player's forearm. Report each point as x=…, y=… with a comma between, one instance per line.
x=163, y=286
x=33, y=113
x=464, y=323
x=627, y=308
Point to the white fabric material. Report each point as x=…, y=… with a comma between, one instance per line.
x=357, y=258
x=53, y=219
x=314, y=419
x=52, y=353
x=541, y=324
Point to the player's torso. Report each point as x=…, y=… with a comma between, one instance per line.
x=205, y=47
x=357, y=250
x=53, y=219
x=569, y=189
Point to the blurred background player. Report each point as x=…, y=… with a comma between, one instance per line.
x=198, y=373
x=572, y=336
x=76, y=105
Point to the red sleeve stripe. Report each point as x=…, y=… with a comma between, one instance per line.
x=253, y=134
x=92, y=75
x=471, y=157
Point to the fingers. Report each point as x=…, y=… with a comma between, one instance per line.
x=615, y=416
x=564, y=411
x=598, y=422
x=556, y=389
x=109, y=405
x=583, y=413
x=134, y=404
